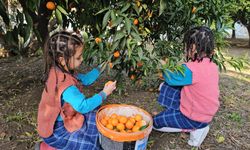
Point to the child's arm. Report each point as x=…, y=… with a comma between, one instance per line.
x=79, y=102
x=178, y=79
x=90, y=77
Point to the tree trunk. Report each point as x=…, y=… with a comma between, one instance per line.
x=248, y=29
x=233, y=31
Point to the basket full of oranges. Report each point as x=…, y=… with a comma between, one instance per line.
x=123, y=123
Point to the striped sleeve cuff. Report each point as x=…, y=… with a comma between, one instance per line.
x=103, y=95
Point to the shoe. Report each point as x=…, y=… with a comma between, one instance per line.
x=167, y=129
x=198, y=136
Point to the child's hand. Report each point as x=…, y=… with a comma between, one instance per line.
x=109, y=87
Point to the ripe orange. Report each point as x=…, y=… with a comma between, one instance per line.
x=106, y=118
x=139, y=64
x=123, y=119
x=120, y=126
x=129, y=131
x=123, y=131
x=194, y=10
x=104, y=122
x=98, y=40
x=109, y=82
x=116, y=54
x=138, y=123
x=111, y=65
x=135, y=128
x=129, y=124
x=114, y=122
x=114, y=115
x=132, y=120
x=132, y=77
x=51, y=5
x=136, y=21
x=138, y=117
x=110, y=126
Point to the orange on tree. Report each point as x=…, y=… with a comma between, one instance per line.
x=194, y=10
x=110, y=65
x=98, y=40
x=116, y=54
x=51, y=5
x=139, y=64
x=132, y=77
x=136, y=22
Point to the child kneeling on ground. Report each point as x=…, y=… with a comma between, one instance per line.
x=66, y=118
x=191, y=99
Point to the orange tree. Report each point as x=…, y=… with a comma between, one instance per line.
x=131, y=36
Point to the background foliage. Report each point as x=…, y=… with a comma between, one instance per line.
x=131, y=36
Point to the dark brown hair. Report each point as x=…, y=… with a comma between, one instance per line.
x=203, y=38
x=60, y=44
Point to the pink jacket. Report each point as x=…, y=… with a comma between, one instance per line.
x=200, y=100
x=50, y=105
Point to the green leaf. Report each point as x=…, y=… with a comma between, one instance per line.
x=119, y=35
x=136, y=36
x=101, y=11
x=85, y=36
x=163, y=6
x=62, y=10
x=105, y=19
x=59, y=16
x=117, y=22
x=115, y=45
x=128, y=25
x=125, y=7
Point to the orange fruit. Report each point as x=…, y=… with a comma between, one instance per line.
x=106, y=118
x=132, y=77
x=110, y=121
x=129, y=124
x=116, y=54
x=139, y=64
x=194, y=10
x=114, y=115
x=129, y=131
x=111, y=65
x=123, y=119
x=135, y=129
x=98, y=40
x=120, y=126
x=123, y=131
x=51, y=5
x=132, y=120
x=109, y=126
x=138, y=117
x=138, y=123
x=136, y=22
x=109, y=82
x=114, y=122
x=104, y=122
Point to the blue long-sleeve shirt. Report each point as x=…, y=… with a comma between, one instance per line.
x=176, y=78
x=78, y=100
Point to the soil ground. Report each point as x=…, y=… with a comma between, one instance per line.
x=20, y=92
